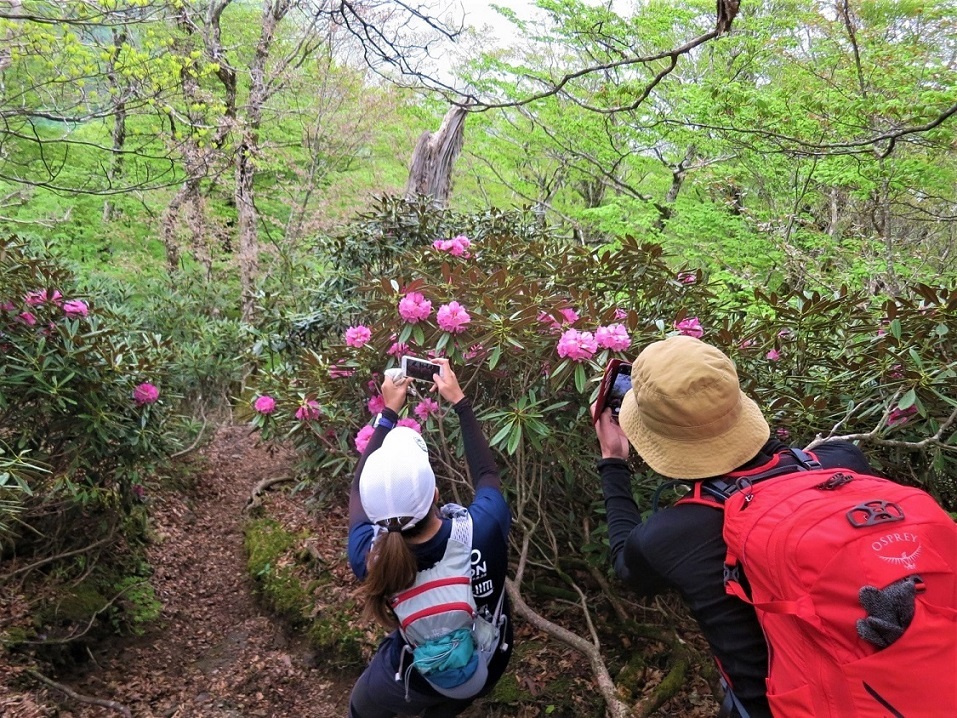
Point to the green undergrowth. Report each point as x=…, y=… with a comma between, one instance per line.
x=292, y=586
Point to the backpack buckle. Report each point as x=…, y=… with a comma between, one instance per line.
x=732, y=574
x=836, y=480
x=872, y=513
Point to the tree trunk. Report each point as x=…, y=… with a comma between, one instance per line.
x=430, y=172
x=119, y=125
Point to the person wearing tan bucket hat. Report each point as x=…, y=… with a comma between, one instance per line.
x=434, y=575
x=688, y=419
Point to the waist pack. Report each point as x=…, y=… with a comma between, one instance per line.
x=854, y=581
x=450, y=643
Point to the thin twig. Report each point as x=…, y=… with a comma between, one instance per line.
x=113, y=705
x=193, y=445
x=873, y=438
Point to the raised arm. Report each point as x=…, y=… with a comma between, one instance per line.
x=478, y=454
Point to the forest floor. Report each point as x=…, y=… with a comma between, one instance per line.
x=215, y=652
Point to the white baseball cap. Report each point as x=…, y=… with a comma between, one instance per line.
x=397, y=481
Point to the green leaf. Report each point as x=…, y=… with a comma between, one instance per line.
x=907, y=400
x=581, y=380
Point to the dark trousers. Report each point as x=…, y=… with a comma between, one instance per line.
x=377, y=694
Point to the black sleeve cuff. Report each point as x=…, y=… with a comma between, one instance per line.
x=389, y=414
x=612, y=461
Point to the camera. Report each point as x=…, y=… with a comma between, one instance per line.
x=416, y=368
x=614, y=385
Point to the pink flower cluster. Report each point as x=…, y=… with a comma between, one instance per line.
x=72, y=308
x=898, y=416
x=145, y=393
x=426, y=408
x=457, y=246
x=265, y=404
x=576, y=345
x=308, y=411
x=414, y=307
x=42, y=296
x=690, y=327
x=376, y=404
x=358, y=336
x=452, y=318
x=687, y=277
x=614, y=337
x=773, y=355
x=569, y=316
x=365, y=433
x=398, y=349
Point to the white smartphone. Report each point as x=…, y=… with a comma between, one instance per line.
x=420, y=368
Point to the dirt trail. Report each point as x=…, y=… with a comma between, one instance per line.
x=215, y=654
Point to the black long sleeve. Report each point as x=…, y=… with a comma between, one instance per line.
x=478, y=454
x=623, y=516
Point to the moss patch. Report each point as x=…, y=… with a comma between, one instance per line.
x=288, y=587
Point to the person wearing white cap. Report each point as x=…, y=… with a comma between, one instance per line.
x=397, y=534
x=688, y=419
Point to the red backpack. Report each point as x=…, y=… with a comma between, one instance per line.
x=854, y=580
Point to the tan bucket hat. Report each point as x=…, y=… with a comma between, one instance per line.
x=686, y=414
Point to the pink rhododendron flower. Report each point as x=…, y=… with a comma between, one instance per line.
x=309, y=411
x=896, y=372
x=414, y=307
x=41, y=296
x=8, y=307
x=785, y=334
x=452, y=318
x=340, y=372
x=358, y=336
x=773, y=355
x=899, y=416
x=411, y=423
x=690, y=327
x=457, y=246
x=138, y=491
x=75, y=308
x=687, y=277
x=146, y=393
x=27, y=318
x=569, y=316
x=426, y=408
x=746, y=344
x=376, y=404
x=620, y=314
x=265, y=404
x=782, y=433
x=398, y=349
x=614, y=337
x=362, y=438
x=576, y=345
x=476, y=351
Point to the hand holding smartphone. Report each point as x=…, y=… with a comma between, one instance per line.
x=615, y=383
x=420, y=369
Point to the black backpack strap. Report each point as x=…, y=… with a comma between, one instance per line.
x=807, y=462
x=722, y=488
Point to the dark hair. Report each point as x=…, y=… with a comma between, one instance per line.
x=390, y=567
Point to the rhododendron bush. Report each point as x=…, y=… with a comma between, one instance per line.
x=83, y=415
x=529, y=320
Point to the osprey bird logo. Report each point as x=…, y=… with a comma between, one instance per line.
x=907, y=560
